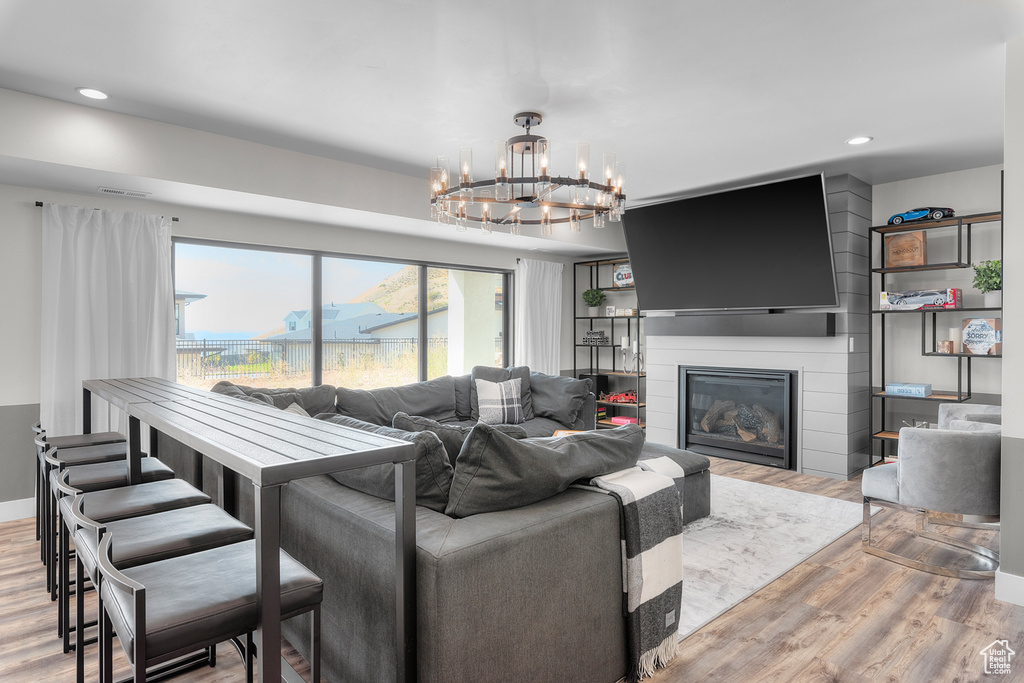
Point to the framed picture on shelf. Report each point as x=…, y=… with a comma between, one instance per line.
x=609, y=310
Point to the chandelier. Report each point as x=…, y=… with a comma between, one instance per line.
x=524, y=190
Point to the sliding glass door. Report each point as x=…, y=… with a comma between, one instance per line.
x=370, y=323
x=467, y=322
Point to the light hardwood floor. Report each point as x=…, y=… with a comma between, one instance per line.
x=839, y=616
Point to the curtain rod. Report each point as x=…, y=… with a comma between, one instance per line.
x=173, y=218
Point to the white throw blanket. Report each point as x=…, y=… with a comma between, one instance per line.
x=652, y=564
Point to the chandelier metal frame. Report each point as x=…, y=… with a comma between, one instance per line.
x=510, y=194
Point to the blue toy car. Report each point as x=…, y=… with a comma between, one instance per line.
x=921, y=214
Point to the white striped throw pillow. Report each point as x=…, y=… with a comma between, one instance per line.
x=500, y=402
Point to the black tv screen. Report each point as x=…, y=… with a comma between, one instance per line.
x=760, y=247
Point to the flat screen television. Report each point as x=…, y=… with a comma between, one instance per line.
x=765, y=246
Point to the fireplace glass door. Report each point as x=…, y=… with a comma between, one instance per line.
x=738, y=414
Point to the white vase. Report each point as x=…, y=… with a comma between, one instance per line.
x=596, y=310
x=994, y=299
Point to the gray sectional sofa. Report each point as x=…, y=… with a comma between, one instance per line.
x=530, y=593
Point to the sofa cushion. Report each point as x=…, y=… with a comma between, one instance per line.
x=452, y=434
x=500, y=402
x=433, y=470
x=557, y=397
x=313, y=400
x=434, y=399
x=496, y=472
x=541, y=427
x=280, y=400
x=500, y=375
x=988, y=418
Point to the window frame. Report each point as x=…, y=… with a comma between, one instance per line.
x=316, y=294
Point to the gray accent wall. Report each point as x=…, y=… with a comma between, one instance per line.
x=18, y=451
x=832, y=372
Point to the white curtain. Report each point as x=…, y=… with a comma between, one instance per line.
x=107, y=307
x=538, y=315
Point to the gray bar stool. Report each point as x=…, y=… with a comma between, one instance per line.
x=142, y=540
x=167, y=609
x=43, y=444
x=111, y=505
x=51, y=457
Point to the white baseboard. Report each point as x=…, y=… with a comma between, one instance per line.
x=11, y=510
x=1009, y=587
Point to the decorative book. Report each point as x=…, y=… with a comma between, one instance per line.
x=907, y=389
x=623, y=420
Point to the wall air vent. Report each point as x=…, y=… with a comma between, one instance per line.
x=136, y=194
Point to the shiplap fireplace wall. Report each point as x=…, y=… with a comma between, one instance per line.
x=833, y=377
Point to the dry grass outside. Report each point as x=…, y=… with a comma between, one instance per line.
x=354, y=371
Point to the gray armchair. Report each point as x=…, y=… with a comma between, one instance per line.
x=954, y=471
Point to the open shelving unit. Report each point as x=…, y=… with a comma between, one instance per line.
x=887, y=435
x=613, y=368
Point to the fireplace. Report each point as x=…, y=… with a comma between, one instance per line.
x=739, y=414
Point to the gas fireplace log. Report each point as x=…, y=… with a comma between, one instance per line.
x=716, y=410
x=770, y=430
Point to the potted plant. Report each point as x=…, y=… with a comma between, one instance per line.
x=988, y=278
x=593, y=298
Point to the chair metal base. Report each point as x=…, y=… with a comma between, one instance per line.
x=924, y=522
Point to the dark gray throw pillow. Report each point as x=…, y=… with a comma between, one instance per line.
x=559, y=398
x=433, y=470
x=452, y=435
x=463, y=397
x=501, y=375
x=496, y=472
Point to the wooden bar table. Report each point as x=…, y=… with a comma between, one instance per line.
x=271, y=447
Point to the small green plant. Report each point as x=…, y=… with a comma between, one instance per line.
x=593, y=297
x=988, y=276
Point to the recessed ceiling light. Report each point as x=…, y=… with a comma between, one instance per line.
x=859, y=140
x=92, y=93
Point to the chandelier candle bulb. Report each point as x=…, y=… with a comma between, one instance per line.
x=466, y=164
x=624, y=342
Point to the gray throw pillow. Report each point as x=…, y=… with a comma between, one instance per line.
x=499, y=402
x=434, y=398
x=976, y=426
x=452, y=435
x=559, y=398
x=433, y=470
x=500, y=375
x=296, y=409
x=496, y=472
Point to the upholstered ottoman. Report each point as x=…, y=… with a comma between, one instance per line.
x=696, y=478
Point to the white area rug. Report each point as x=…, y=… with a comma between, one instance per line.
x=755, y=533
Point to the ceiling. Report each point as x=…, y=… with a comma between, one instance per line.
x=693, y=95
